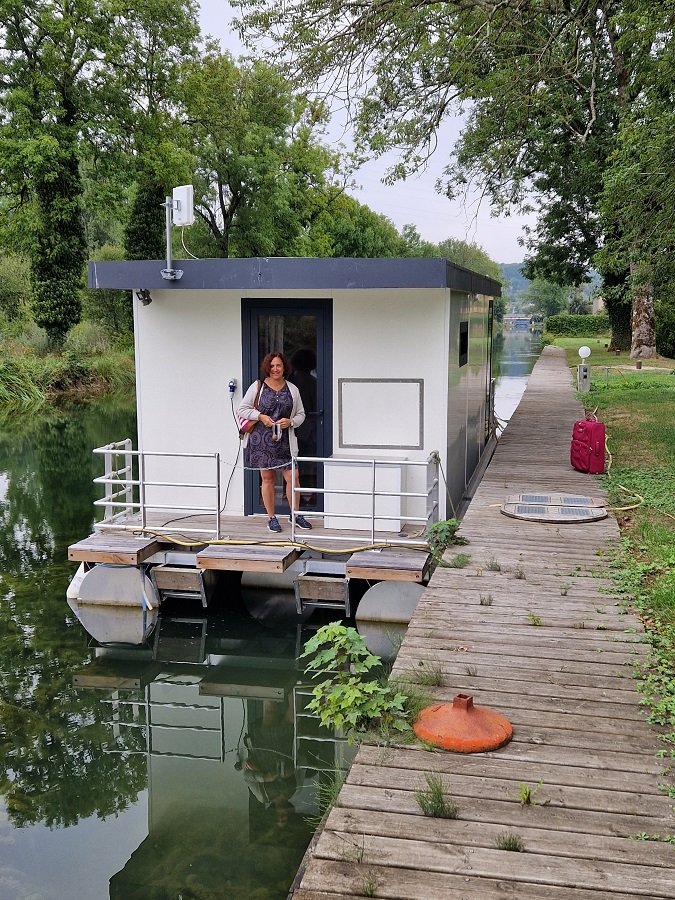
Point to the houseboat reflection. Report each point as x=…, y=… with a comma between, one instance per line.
x=235, y=765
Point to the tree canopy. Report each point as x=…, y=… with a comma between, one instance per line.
x=545, y=90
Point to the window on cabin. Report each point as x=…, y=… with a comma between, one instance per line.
x=463, y=343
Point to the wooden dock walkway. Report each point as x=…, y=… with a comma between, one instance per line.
x=530, y=628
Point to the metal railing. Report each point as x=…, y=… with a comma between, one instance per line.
x=120, y=483
x=126, y=505
x=430, y=495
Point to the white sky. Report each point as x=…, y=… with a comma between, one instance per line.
x=414, y=201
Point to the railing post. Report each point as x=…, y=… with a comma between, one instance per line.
x=217, y=496
x=107, y=473
x=372, y=520
x=141, y=487
x=293, y=472
x=129, y=469
x=433, y=482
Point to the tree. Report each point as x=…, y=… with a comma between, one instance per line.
x=349, y=228
x=470, y=256
x=545, y=298
x=160, y=36
x=579, y=305
x=262, y=175
x=545, y=89
x=68, y=71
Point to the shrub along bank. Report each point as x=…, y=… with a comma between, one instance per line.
x=91, y=362
x=638, y=409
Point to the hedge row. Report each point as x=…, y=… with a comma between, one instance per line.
x=566, y=325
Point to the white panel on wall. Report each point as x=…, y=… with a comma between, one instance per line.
x=380, y=413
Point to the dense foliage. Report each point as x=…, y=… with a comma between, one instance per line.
x=577, y=326
x=566, y=111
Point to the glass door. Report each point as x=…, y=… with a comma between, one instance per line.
x=302, y=331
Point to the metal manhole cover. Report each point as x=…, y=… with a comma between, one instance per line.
x=525, y=507
x=555, y=499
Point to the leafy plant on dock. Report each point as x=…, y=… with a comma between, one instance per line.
x=351, y=696
x=527, y=794
x=442, y=535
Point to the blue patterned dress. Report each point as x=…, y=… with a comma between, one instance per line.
x=261, y=451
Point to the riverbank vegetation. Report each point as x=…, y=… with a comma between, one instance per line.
x=638, y=409
x=91, y=362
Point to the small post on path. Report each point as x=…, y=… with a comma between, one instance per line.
x=584, y=371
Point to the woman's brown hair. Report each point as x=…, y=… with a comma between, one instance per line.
x=266, y=364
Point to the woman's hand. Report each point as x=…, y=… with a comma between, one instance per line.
x=285, y=423
x=266, y=421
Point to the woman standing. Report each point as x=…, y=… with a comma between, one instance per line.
x=276, y=406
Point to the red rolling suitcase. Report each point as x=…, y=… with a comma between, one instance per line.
x=587, y=450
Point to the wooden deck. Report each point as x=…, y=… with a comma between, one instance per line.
x=247, y=546
x=529, y=628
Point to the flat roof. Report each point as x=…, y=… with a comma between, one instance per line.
x=291, y=273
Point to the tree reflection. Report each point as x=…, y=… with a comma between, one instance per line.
x=52, y=765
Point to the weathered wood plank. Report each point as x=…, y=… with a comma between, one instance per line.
x=348, y=880
x=480, y=862
x=389, y=565
x=247, y=558
x=550, y=794
x=121, y=549
x=483, y=834
x=575, y=767
x=509, y=813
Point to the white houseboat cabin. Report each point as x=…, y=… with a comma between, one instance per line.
x=394, y=363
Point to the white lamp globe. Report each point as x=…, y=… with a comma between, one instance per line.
x=584, y=352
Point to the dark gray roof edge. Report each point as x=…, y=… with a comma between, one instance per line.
x=291, y=273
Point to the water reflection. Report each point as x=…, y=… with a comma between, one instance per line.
x=215, y=707
x=183, y=766
x=513, y=361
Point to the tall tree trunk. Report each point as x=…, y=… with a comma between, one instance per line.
x=618, y=309
x=643, y=328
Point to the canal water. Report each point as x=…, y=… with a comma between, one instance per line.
x=183, y=767
x=515, y=355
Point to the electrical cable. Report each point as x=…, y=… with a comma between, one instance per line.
x=232, y=542
x=182, y=240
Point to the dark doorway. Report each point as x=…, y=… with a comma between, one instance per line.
x=302, y=331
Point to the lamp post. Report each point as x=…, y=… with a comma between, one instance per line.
x=584, y=370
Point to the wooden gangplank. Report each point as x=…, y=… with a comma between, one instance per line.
x=389, y=565
x=247, y=558
x=531, y=628
x=109, y=547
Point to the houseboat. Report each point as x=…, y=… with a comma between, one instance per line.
x=397, y=353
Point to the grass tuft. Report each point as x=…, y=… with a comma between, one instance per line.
x=434, y=800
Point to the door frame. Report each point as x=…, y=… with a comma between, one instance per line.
x=251, y=308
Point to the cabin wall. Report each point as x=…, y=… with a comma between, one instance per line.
x=468, y=382
x=388, y=358
x=188, y=347
x=398, y=389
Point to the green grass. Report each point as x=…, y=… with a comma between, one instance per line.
x=601, y=355
x=434, y=800
x=509, y=841
x=638, y=409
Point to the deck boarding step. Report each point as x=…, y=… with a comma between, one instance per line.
x=104, y=547
x=389, y=565
x=247, y=558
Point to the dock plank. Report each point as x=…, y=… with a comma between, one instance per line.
x=106, y=547
x=247, y=558
x=389, y=565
